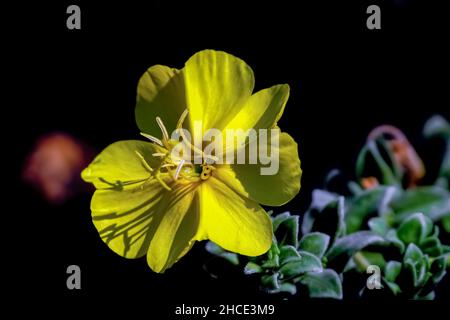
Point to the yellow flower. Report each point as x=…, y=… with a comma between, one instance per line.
x=149, y=202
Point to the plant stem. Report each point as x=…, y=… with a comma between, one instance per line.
x=361, y=262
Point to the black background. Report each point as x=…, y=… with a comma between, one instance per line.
x=344, y=79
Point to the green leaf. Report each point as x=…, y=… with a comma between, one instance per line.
x=416, y=263
x=252, y=268
x=270, y=282
x=315, y=243
x=274, y=250
x=409, y=268
x=394, y=287
x=415, y=228
x=216, y=250
x=320, y=200
x=354, y=188
x=288, y=288
x=432, y=201
x=430, y=296
x=328, y=219
x=389, y=172
x=325, y=284
x=413, y=253
x=287, y=231
x=347, y=246
x=273, y=262
x=378, y=225
x=437, y=126
x=446, y=224
x=373, y=258
x=444, y=172
x=431, y=246
x=422, y=275
x=288, y=253
x=278, y=219
x=392, y=270
x=437, y=268
x=369, y=202
x=392, y=237
x=307, y=262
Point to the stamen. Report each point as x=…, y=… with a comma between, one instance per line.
x=182, y=118
x=159, y=154
x=144, y=162
x=162, y=182
x=153, y=139
x=197, y=150
x=180, y=125
x=163, y=129
x=180, y=166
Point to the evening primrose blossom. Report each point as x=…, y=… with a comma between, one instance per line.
x=150, y=201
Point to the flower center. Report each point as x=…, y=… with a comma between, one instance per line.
x=175, y=167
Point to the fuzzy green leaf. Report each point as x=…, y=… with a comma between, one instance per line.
x=369, y=202
x=288, y=288
x=431, y=246
x=415, y=228
x=273, y=262
x=432, y=201
x=394, y=287
x=216, y=250
x=325, y=284
x=415, y=262
x=288, y=253
x=437, y=126
x=270, y=282
x=437, y=268
x=287, y=231
x=413, y=253
x=320, y=200
x=252, y=268
x=388, y=170
x=308, y=262
x=392, y=237
x=392, y=270
x=278, y=219
x=446, y=224
x=347, y=246
x=315, y=243
x=328, y=219
x=378, y=225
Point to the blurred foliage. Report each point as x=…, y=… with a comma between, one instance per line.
x=386, y=217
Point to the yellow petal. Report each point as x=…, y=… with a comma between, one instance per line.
x=126, y=218
x=177, y=230
x=272, y=190
x=217, y=86
x=234, y=222
x=119, y=165
x=262, y=110
x=160, y=93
